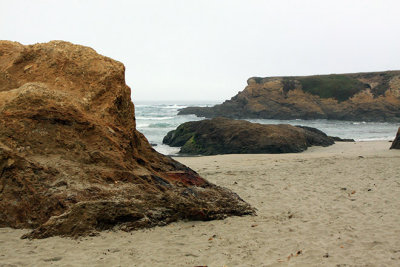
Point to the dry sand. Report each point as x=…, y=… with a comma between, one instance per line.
x=334, y=206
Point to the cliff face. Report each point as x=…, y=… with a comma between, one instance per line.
x=371, y=96
x=71, y=159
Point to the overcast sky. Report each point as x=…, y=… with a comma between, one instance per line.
x=206, y=50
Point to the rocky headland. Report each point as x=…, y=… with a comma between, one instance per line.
x=228, y=136
x=373, y=96
x=71, y=160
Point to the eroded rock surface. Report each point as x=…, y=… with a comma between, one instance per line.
x=71, y=159
x=227, y=136
x=373, y=96
x=396, y=141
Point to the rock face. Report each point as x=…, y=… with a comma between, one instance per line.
x=71, y=159
x=227, y=136
x=371, y=96
x=396, y=142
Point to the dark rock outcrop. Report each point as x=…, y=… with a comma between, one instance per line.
x=227, y=136
x=338, y=139
x=373, y=96
x=396, y=141
x=71, y=159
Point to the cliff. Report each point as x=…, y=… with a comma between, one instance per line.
x=373, y=96
x=71, y=160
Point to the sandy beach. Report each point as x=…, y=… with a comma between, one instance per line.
x=333, y=206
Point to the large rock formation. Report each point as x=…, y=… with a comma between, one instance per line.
x=371, y=96
x=396, y=141
x=227, y=136
x=71, y=159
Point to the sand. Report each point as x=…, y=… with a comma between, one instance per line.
x=334, y=206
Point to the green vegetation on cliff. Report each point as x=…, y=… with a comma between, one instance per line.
x=367, y=96
x=340, y=87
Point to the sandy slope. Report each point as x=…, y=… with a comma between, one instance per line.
x=338, y=205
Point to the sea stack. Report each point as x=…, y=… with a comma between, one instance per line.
x=71, y=160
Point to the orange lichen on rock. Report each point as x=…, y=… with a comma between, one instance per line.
x=185, y=178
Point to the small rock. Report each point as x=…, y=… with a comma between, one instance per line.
x=26, y=68
x=53, y=259
x=191, y=255
x=94, y=234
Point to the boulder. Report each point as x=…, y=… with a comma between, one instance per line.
x=228, y=136
x=71, y=160
x=396, y=141
x=372, y=96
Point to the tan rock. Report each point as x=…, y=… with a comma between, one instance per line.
x=71, y=159
x=359, y=96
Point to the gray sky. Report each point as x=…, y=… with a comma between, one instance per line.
x=206, y=50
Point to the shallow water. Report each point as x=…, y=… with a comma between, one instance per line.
x=156, y=119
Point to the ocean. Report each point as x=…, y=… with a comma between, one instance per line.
x=156, y=119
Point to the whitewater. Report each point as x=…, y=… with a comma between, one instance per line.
x=156, y=119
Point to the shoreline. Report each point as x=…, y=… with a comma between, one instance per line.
x=178, y=156
x=324, y=206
